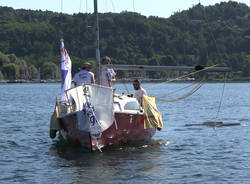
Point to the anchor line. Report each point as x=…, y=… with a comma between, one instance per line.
x=222, y=94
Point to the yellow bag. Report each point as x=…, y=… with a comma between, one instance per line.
x=152, y=117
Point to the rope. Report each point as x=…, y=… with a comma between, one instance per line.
x=61, y=6
x=124, y=84
x=222, y=94
x=210, y=32
x=192, y=73
x=218, y=52
x=198, y=86
x=170, y=93
x=80, y=7
x=123, y=81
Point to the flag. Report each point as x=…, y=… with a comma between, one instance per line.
x=66, y=71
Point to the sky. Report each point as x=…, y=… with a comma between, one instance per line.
x=160, y=8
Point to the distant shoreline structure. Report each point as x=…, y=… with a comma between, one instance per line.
x=29, y=81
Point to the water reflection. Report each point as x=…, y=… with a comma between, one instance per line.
x=123, y=163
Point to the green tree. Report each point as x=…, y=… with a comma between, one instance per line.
x=3, y=59
x=33, y=72
x=10, y=71
x=48, y=70
x=206, y=35
x=1, y=76
x=12, y=58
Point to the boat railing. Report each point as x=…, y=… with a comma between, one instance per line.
x=77, y=98
x=64, y=108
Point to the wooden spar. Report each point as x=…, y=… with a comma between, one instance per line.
x=167, y=68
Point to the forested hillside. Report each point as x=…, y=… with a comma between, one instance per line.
x=220, y=34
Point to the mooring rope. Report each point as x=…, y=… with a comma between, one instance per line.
x=186, y=95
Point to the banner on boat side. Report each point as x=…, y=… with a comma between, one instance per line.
x=66, y=72
x=94, y=107
x=94, y=125
x=100, y=102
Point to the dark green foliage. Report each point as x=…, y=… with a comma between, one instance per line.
x=1, y=76
x=3, y=60
x=10, y=71
x=209, y=35
x=49, y=70
x=33, y=72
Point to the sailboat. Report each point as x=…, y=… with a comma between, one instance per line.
x=95, y=116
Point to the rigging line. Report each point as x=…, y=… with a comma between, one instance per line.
x=180, y=98
x=106, y=5
x=123, y=82
x=134, y=5
x=113, y=6
x=61, y=6
x=86, y=8
x=222, y=94
x=210, y=32
x=186, y=95
x=86, y=11
x=80, y=8
x=192, y=73
x=172, y=92
x=134, y=14
x=218, y=52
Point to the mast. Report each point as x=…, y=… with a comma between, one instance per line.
x=98, y=79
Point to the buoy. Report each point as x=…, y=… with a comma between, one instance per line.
x=52, y=134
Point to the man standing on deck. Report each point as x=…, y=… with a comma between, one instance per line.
x=107, y=74
x=139, y=91
x=84, y=76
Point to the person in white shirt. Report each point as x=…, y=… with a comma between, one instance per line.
x=84, y=76
x=107, y=74
x=139, y=91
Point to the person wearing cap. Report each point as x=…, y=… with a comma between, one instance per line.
x=139, y=91
x=84, y=76
x=107, y=74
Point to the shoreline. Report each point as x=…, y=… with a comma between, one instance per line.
x=123, y=81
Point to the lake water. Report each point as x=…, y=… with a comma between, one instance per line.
x=177, y=154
